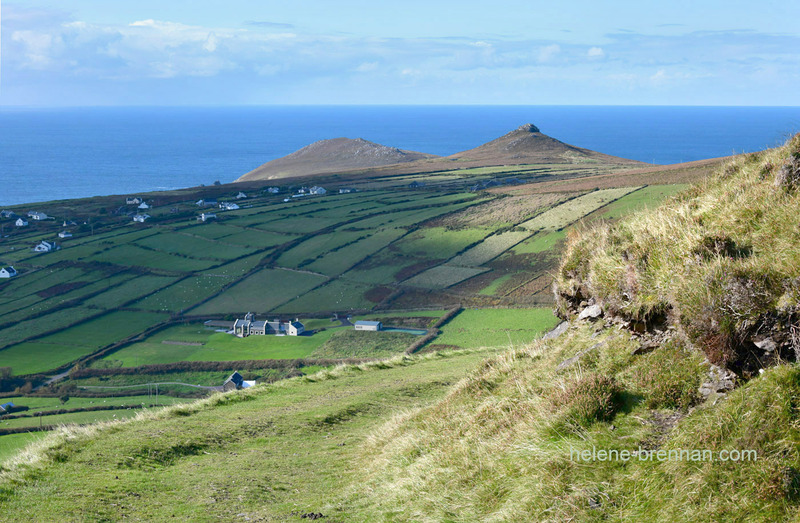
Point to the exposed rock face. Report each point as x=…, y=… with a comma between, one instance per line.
x=335, y=155
x=591, y=312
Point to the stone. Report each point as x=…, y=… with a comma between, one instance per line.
x=591, y=312
x=767, y=345
x=560, y=329
x=720, y=381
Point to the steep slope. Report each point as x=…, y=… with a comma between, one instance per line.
x=527, y=145
x=330, y=156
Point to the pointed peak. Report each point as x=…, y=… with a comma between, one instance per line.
x=528, y=128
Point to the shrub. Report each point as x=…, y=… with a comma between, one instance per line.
x=589, y=399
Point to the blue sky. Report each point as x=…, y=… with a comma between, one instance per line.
x=237, y=52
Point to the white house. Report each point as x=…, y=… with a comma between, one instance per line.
x=21, y=223
x=65, y=234
x=133, y=201
x=143, y=205
x=45, y=246
x=273, y=190
x=346, y=190
x=362, y=325
x=7, y=214
x=241, y=196
x=228, y=206
x=206, y=203
x=7, y=272
x=141, y=218
x=295, y=328
x=204, y=217
x=37, y=215
x=317, y=190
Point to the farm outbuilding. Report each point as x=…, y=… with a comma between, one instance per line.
x=363, y=325
x=236, y=381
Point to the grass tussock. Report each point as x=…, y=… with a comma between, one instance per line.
x=721, y=261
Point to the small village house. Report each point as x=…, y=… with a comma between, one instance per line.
x=5, y=408
x=363, y=325
x=236, y=382
x=228, y=206
x=273, y=190
x=21, y=222
x=45, y=246
x=65, y=234
x=38, y=216
x=140, y=218
x=346, y=190
x=143, y=206
x=204, y=217
x=133, y=201
x=7, y=214
x=206, y=203
x=241, y=196
x=7, y=272
x=317, y=190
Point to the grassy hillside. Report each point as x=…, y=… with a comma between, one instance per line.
x=628, y=412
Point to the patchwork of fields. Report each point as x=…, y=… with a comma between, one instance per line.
x=371, y=250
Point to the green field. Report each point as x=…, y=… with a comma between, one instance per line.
x=572, y=210
x=50, y=352
x=216, y=346
x=489, y=249
x=339, y=295
x=443, y=276
x=645, y=197
x=492, y=288
x=438, y=242
x=349, y=343
x=496, y=327
x=262, y=292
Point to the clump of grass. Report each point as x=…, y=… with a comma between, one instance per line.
x=669, y=377
x=588, y=399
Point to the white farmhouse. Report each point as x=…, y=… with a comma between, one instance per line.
x=317, y=190
x=273, y=190
x=21, y=223
x=204, y=217
x=46, y=246
x=143, y=206
x=228, y=206
x=241, y=196
x=140, y=218
x=65, y=234
x=38, y=216
x=362, y=325
x=295, y=328
x=7, y=272
x=133, y=201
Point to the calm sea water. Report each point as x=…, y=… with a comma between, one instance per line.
x=48, y=154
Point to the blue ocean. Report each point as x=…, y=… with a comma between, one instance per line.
x=49, y=154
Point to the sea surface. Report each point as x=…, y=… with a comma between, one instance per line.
x=50, y=154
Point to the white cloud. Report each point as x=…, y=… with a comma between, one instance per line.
x=596, y=53
x=211, y=43
x=547, y=53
